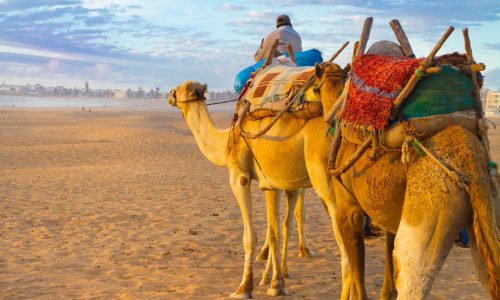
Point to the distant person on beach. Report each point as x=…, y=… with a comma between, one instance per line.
x=286, y=35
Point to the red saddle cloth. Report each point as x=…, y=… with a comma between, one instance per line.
x=376, y=81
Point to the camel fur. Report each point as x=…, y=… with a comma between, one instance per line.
x=424, y=207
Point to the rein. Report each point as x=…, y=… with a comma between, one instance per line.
x=191, y=100
x=226, y=101
x=200, y=99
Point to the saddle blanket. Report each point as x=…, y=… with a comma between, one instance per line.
x=275, y=86
x=376, y=81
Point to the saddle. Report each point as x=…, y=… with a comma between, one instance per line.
x=272, y=89
x=439, y=100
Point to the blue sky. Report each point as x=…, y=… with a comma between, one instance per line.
x=124, y=43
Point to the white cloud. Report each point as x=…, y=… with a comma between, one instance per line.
x=53, y=65
x=231, y=7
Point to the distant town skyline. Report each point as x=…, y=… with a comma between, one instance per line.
x=122, y=43
x=86, y=91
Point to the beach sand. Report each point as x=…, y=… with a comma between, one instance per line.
x=122, y=204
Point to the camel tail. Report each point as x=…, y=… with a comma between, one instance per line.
x=482, y=197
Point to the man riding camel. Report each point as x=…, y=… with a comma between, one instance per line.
x=286, y=35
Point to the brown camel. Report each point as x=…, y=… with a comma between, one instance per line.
x=298, y=160
x=424, y=207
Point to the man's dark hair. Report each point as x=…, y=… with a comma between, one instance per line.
x=282, y=21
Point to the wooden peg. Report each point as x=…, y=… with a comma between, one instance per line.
x=334, y=56
x=365, y=35
x=470, y=60
x=402, y=38
x=270, y=54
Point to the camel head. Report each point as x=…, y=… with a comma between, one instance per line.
x=188, y=91
x=330, y=80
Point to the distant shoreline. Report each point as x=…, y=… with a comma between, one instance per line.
x=76, y=97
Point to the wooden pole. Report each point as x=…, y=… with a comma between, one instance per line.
x=472, y=68
x=354, y=51
x=339, y=104
x=402, y=38
x=334, y=148
x=365, y=35
x=270, y=54
x=418, y=73
x=353, y=159
x=290, y=53
x=334, y=56
x=473, y=75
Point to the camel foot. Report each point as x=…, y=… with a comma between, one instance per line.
x=278, y=291
x=264, y=253
x=305, y=252
x=241, y=296
x=242, y=293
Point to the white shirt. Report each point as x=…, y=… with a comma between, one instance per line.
x=286, y=35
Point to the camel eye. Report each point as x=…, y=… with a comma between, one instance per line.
x=174, y=94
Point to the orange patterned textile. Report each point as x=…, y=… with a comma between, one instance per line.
x=375, y=82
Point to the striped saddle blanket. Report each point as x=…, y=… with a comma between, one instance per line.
x=275, y=86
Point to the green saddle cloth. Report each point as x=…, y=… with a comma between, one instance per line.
x=442, y=93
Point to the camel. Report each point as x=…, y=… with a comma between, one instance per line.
x=425, y=207
x=298, y=160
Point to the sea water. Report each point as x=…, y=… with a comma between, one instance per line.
x=33, y=101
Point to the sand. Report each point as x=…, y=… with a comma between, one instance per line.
x=121, y=204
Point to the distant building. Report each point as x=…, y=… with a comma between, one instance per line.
x=119, y=94
x=493, y=101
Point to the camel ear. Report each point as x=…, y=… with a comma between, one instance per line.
x=346, y=70
x=319, y=70
x=204, y=88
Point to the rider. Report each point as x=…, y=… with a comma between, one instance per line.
x=285, y=33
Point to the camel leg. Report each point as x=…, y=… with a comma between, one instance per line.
x=304, y=251
x=240, y=185
x=349, y=218
x=266, y=275
x=389, y=288
x=323, y=186
x=264, y=252
x=277, y=281
x=290, y=207
x=434, y=211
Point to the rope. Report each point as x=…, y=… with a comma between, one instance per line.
x=459, y=178
x=292, y=101
x=226, y=101
x=246, y=134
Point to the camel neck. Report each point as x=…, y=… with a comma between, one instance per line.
x=211, y=141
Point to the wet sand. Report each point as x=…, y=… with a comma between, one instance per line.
x=121, y=204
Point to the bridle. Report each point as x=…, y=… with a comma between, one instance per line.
x=174, y=95
x=191, y=100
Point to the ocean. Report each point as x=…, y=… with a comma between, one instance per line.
x=32, y=101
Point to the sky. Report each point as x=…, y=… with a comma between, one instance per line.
x=161, y=43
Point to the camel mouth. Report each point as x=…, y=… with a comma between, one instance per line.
x=172, y=97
